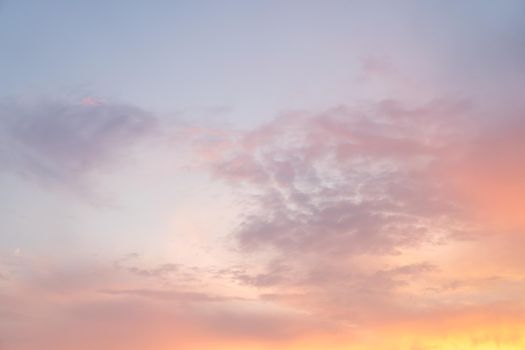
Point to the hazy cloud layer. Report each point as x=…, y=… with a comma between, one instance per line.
x=93, y=304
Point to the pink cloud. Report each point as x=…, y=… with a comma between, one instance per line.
x=100, y=305
x=371, y=181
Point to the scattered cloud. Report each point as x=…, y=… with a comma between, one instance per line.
x=335, y=202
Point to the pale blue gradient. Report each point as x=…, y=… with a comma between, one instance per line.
x=256, y=58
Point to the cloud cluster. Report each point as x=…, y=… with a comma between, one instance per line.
x=336, y=207
x=335, y=202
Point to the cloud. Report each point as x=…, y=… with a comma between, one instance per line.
x=338, y=203
x=344, y=181
x=95, y=304
x=172, y=295
x=62, y=143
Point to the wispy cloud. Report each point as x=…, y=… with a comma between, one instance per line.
x=62, y=143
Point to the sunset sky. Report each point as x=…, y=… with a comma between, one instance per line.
x=254, y=175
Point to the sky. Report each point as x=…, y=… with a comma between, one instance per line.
x=258, y=175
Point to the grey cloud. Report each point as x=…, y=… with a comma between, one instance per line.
x=344, y=181
x=61, y=143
